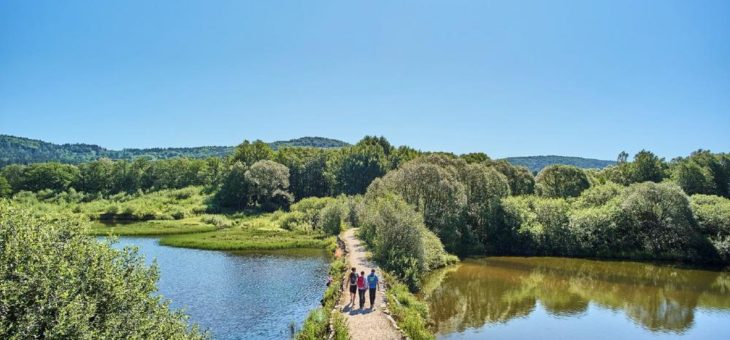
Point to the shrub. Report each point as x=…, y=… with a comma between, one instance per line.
x=330, y=219
x=395, y=232
x=540, y=224
x=218, y=221
x=561, y=181
x=661, y=220
x=311, y=207
x=57, y=283
x=295, y=220
x=600, y=231
x=599, y=195
x=410, y=313
x=713, y=214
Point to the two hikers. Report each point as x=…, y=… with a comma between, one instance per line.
x=360, y=284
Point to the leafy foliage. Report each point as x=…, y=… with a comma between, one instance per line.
x=19, y=150
x=561, y=181
x=537, y=163
x=713, y=214
x=55, y=282
x=399, y=239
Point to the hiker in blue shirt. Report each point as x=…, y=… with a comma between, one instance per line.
x=373, y=285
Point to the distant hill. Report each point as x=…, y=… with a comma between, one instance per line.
x=25, y=150
x=311, y=142
x=536, y=163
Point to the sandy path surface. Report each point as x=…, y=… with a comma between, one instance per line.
x=365, y=323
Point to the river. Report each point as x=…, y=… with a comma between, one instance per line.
x=560, y=298
x=239, y=295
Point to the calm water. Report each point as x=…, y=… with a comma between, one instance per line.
x=557, y=298
x=239, y=296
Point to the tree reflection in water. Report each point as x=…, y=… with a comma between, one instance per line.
x=479, y=292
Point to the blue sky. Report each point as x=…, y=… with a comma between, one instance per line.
x=584, y=78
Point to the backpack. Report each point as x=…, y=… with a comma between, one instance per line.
x=353, y=279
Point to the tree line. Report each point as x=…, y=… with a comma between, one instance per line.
x=645, y=207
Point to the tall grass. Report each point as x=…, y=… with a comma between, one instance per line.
x=409, y=313
x=317, y=324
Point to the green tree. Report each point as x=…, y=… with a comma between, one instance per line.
x=380, y=142
x=647, y=167
x=15, y=175
x=431, y=185
x=234, y=192
x=713, y=214
x=401, y=155
x=307, y=168
x=475, y=157
x=538, y=225
x=661, y=220
x=58, y=283
x=484, y=187
x=396, y=237
x=521, y=181
x=249, y=153
x=5, y=189
x=96, y=176
x=268, y=183
x=330, y=218
x=692, y=178
x=351, y=170
x=717, y=168
x=53, y=176
x=561, y=181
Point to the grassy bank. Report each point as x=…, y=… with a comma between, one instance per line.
x=316, y=326
x=240, y=238
x=409, y=313
x=151, y=228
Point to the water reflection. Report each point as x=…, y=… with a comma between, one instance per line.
x=239, y=295
x=495, y=290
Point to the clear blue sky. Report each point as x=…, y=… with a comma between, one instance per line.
x=585, y=78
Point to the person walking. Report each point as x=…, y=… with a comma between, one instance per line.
x=362, y=287
x=353, y=285
x=372, y=286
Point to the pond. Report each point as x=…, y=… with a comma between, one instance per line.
x=239, y=295
x=560, y=298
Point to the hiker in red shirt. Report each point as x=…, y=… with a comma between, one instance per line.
x=362, y=287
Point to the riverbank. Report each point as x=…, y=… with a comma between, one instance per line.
x=258, y=232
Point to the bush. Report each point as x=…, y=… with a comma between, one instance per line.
x=409, y=312
x=713, y=214
x=395, y=233
x=600, y=231
x=435, y=255
x=311, y=206
x=294, y=220
x=330, y=219
x=661, y=220
x=599, y=195
x=57, y=283
x=539, y=224
x=561, y=181
x=219, y=221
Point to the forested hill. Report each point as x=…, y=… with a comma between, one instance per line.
x=25, y=150
x=19, y=150
x=536, y=163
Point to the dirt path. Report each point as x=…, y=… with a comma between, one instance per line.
x=366, y=323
